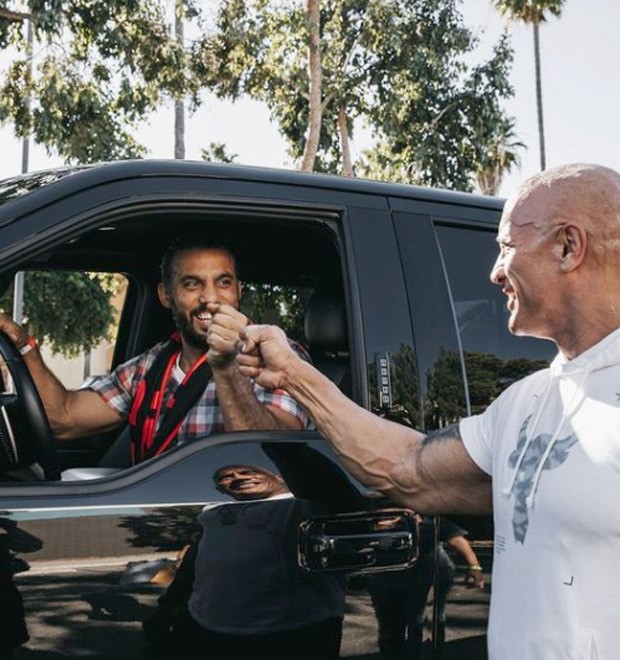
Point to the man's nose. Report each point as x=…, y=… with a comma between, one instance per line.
x=497, y=272
x=208, y=294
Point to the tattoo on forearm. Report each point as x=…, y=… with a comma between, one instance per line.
x=448, y=433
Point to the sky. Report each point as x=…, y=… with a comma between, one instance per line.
x=580, y=75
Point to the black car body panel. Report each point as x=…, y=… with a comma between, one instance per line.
x=423, y=324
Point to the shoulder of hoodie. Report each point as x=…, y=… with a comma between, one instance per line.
x=530, y=384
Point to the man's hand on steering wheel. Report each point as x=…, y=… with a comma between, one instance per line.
x=25, y=433
x=15, y=332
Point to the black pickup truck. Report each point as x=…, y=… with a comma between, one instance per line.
x=385, y=285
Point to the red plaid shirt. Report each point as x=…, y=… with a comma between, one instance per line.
x=205, y=417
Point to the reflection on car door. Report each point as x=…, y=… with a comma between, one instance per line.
x=102, y=560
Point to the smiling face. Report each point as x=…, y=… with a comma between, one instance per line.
x=559, y=240
x=526, y=268
x=199, y=276
x=245, y=482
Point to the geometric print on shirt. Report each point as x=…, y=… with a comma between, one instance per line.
x=524, y=481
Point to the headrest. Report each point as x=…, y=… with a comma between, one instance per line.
x=325, y=323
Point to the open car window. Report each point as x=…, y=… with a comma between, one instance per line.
x=91, y=300
x=74, y=316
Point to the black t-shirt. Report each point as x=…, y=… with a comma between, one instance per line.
x=247, y=579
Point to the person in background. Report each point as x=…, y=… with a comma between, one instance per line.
x=14, y=629
x=399, y=598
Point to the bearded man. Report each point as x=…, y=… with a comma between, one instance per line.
x=179, y=390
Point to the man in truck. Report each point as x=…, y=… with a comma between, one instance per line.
x=179, y=390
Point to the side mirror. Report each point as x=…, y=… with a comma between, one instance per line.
x=364, y=542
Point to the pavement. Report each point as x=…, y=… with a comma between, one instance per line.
x=90, y=611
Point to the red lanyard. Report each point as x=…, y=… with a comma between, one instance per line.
x=150, y=424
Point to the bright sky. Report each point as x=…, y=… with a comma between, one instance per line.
x=580, y=75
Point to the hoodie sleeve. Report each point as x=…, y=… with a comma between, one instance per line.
x=477, y=434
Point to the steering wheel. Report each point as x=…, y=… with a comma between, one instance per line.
x=25, y=433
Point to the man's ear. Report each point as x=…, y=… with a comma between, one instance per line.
x=573, y=240
x=283, y=485
x=163, y=296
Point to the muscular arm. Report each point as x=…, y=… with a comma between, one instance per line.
x=71, y=413
x=241, y=409
x=430, y=474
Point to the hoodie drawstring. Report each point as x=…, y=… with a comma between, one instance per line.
x=571, y=409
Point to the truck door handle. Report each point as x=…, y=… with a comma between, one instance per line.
x=365, y=542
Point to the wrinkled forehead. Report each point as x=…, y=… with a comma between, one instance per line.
x=530, y=209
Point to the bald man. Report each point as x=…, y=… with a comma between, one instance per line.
x=246, y=596
x=545, y=455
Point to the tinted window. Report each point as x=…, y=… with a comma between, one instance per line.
x=494, y=358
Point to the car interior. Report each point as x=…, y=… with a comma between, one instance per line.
x=292, y=253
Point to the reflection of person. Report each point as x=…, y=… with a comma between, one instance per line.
x=544, y=455
x=399, y=598
x=247, y=482
x=247, y=595
x=13, y=629
x=201, y=288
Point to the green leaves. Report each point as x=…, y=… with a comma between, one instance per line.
x=273, y=303
x=71, y=311
x=430, y=108
x=529, y=11
x=407, y=69
x=84, y=120
x=400, y=66
x=99, y=67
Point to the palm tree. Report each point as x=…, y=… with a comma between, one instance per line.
x=179, y=105
x=500, y=153
x=533, y=12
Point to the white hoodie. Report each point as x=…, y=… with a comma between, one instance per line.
x=551, y=443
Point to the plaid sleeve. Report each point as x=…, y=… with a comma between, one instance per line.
x=283, y=400
x=118, y=388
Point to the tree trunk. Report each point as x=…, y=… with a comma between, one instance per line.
x=179, y=106
x=345, y=144
x=11, y=15
x=27, y=103
x=539, y=102
x=315, y=76
x=489, y=180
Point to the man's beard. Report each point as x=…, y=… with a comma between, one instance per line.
x=184, y=326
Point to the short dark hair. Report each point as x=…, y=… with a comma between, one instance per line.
x=182, y=244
